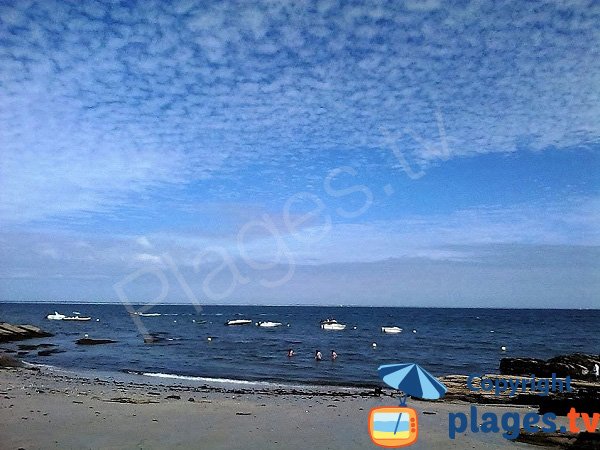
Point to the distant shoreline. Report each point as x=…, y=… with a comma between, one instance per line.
x=142, y=304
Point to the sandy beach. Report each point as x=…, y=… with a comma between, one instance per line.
x=50, y=409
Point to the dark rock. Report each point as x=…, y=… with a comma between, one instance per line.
x=191, y=399
x=574, y=441
x=521, y=366
x=49, y=352
x=587, y=441
x=173, y=397
x=578, y=366
x=34, y=346
x=9, y=361
x=547, y=440
x=90, y=341
x=584, y=400
x=153, y=338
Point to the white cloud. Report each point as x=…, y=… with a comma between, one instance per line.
x=94, y=112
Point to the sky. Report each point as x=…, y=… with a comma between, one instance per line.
x=401, y=153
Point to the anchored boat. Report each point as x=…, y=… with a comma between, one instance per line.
x=238, y=322
x=333, y=325
x=268, y=324
x=58, y=316
x=391, y=330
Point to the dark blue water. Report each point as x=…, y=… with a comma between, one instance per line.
x=447, y=341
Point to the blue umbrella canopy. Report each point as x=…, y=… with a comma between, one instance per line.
x=413, y=380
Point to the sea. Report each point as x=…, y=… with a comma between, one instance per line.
x=444, y=341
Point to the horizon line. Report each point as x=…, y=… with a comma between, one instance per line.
x=64, y=302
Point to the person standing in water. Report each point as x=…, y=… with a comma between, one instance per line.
x=318, y=356
x=333, y=355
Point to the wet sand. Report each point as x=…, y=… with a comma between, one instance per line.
x=47, y=409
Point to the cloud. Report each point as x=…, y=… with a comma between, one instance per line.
x=104, y=103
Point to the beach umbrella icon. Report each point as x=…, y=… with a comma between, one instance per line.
x=412, y=380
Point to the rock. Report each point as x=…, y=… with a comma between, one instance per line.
x=9, y=332
x=34, y=347
x=173, y=397
x=49, y=352
x=9, y=361
x=90, y=341
x=585, y=395
x=191, y=399
x=587, y=441
x=547, y=440
x=520, y=366
x=153, y=338
x=575, y=441
x=578, y=366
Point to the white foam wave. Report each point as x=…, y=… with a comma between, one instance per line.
x=208, y=379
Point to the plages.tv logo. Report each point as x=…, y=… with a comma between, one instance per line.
x=398, y=426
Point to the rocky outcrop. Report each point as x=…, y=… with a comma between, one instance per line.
x=578, y=366
x=9, y=332
x=584, y=397
x=575, y=441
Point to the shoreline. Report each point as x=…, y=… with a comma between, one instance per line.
x=54, y=409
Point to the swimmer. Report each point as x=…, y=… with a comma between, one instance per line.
x=318, y=356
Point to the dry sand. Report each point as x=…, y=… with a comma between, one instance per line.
x=58, y=410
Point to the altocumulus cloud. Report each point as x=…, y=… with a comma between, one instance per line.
x=104, y=102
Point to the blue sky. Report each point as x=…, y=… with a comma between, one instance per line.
x=385, y=153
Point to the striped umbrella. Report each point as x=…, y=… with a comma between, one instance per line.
x=413, y=380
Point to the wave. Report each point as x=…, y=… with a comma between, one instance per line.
x=206, y=379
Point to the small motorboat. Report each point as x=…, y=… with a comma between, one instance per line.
x=238, y=322
x=391, y=330
x=333, y=325
x=268, y=324
x=55, y=316
x=77, y=319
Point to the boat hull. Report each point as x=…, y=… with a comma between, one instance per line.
x=238, y=322
x=391, y=330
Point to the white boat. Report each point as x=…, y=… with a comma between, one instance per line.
x=77, y=319
x=58, y=316
x=146, y=314
x=391, y=330
x=268, y=324
x=332, y=324
x=55, y=316
x=238, y=322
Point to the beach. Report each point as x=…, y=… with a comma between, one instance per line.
x=51, y=409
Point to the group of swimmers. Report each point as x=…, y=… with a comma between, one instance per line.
x=318, y=355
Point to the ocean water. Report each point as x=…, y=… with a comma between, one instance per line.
x=446, y=341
